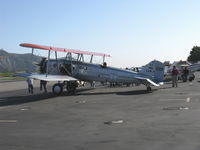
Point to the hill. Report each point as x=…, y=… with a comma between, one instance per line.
x=11, y=62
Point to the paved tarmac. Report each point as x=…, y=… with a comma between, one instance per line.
x=122, y=118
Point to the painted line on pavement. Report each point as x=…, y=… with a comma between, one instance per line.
x=188, y=99
x=8, y=121
x=172, y=99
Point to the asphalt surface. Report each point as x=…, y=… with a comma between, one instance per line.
x=122, y=118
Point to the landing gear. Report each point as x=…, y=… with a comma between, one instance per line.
x=191, y=78
x=57, y=89
x=71, y=86
x=149, y=89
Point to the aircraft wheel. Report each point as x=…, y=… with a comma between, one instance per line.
x=57, y=89
x=191, y=78
x=149, y=89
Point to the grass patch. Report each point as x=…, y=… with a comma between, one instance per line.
x=7, y=74
x=10, y=76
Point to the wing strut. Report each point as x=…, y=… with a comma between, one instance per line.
x=71, y=63
x=103, y=58
x=78, y=57
x=57, y=60
x=82, y=57
x=31, y=69
x=91, y=58
x=47, y=68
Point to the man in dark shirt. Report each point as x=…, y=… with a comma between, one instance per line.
x=185, y=74
x=174, y=76
x=43, y=84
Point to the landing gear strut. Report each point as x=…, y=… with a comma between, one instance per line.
x=149, y=89
x=57, y=89
x=71, y=86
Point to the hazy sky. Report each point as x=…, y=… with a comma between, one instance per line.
x=133, y=32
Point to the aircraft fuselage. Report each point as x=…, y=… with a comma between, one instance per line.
x=92, y=72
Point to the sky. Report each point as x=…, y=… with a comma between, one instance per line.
x=133, y=32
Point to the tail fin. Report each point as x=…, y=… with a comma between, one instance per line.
x=154, y=70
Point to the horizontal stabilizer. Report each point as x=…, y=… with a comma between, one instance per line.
x=146, y=80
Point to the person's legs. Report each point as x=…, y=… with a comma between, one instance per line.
x=31, y=87
x=40, y=86
x=173, y=81
x=45, y=88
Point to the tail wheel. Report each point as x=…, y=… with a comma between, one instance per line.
x=149, y=89
x=57, y=89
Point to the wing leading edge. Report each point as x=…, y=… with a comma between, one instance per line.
x=48, y=77
x=50, y=48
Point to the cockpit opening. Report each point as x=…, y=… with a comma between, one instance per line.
x=104, y=65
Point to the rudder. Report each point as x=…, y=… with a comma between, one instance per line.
x=154, y=70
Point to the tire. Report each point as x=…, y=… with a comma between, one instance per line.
x=190, y=79
x=57, y=89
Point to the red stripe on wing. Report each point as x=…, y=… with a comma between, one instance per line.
x=62, y=49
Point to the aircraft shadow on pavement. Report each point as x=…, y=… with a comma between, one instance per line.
x=135, y=92
x=17, y=100
x=168, y=87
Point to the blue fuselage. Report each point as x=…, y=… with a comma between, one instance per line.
x=93, y=72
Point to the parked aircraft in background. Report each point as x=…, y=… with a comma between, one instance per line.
x=180, y=66
x=67, y=71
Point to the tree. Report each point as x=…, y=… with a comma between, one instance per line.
x=194, y=55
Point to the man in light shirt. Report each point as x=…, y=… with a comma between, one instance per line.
x=30, y=85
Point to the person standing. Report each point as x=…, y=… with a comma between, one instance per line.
x=30, y=85
x=185, y=74
x=43, y=84
x=93, y=84
x=174, y=76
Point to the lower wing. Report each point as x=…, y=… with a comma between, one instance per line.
x=47, y=77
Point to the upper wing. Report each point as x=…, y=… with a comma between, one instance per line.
x=48, y=77
x=62, y=49
x=147, y=80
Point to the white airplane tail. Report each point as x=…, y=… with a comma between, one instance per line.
x=154, y=70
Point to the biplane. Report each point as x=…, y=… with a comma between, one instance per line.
x=68, y=70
